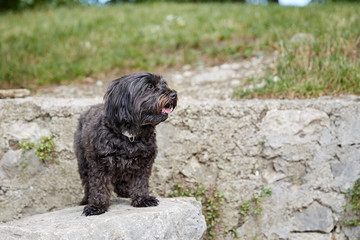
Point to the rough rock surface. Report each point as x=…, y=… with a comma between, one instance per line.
x=306, y=151
x=176, y=218
x=14, y=93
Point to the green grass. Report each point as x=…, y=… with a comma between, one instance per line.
x=53, y=46
x=328, y=66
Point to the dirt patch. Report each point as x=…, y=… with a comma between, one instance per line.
x=198, y=82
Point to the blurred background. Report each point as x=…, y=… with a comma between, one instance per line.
x=52, y=42
x=19, y=4
x=208, y=50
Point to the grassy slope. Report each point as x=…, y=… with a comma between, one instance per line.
x=327, y=65
x=52, y=46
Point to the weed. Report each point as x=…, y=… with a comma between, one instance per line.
x=251, y=207
x=232, y=231
x=352, y=210
x=44, y=150
x=25, y=145
x=211, y=203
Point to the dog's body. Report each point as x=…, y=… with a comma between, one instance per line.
x=115, y=142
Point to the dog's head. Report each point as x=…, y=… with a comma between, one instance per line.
x=139, y=99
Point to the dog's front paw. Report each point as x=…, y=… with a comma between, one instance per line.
x=89, y=211
x=148, y=201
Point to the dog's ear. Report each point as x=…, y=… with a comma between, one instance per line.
x=118, y=102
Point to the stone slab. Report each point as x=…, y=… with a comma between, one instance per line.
x=177, y=218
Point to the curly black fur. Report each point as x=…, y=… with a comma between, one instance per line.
x=115, y=141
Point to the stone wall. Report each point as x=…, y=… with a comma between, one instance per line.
x=306, y=151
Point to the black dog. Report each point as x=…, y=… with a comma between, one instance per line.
x=115, y=141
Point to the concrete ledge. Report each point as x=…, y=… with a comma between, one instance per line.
x=175, y=218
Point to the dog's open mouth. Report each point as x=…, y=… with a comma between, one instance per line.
x=167, y=109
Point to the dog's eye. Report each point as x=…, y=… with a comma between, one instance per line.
x=150, y=86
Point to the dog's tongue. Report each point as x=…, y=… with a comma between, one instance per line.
x=166, y=110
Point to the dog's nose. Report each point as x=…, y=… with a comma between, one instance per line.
x=173, y=95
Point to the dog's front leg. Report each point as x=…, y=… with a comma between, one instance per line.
x=99, y=192
x=139, y=190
